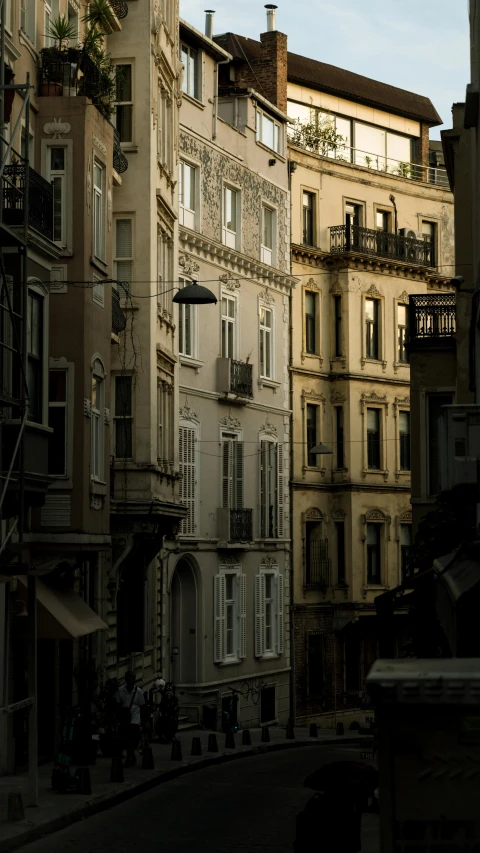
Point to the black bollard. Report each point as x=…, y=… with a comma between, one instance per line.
x=229, y=740
x=246, y=738
x=15, y=810
x=265, y=735
x=147, y=758
x=212, y=743
x=82, y=776
x=116, y=770
x=340, y=729
x=313, y=730
x=196, y=746
x=290, y=732
x=176, y=754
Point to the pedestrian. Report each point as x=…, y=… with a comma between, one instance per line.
x=131, y=701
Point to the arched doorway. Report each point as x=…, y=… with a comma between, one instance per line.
x=184, y=624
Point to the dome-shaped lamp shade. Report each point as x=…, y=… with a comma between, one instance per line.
x=195, y=294
x=320, y=450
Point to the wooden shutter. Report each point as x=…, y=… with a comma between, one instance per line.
x=186, y=448
x=227, y=473
x=219, y=616
x=242, y=633
x=238, y=494
x=263, y=488
x=280, y=616
x=259, y=615
x=280, y=493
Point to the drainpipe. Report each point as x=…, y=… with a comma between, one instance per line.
x=209, y=13
x=392, y=199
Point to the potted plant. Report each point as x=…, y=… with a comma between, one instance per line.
x=56, y=59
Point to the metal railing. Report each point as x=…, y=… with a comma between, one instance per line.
x=120, y=162
x=355, y=156
x=432, y=316
x=40, y=199
x=241, y=382
x=318, y=565
x=241, y=525
x=369, y=241
x=72, y=72
x=120, y=8
x=119, y=321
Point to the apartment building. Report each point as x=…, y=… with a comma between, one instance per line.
x=227, y=574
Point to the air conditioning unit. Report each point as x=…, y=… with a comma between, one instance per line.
x=411, y=234
x=410, y=248
x=459, y=445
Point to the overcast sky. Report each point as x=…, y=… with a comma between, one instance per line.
x=419, y=46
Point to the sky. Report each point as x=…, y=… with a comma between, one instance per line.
x=419, y=46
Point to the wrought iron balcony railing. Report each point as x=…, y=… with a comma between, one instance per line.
x=432, y=318
x=380, y=244
x=40, y=199
x=241, y=525
x=241, y=378
x=120, y=162
x=120, y=8
x=318, y=565
x=73, y=72
x=119, y=321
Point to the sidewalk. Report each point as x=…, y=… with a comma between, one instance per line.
x=55, y=811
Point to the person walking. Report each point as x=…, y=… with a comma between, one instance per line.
x=131, y=700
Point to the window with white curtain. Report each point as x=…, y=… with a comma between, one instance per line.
x=123, y=254
x=187, y=319
x=269, y=613
x=188, y=477
x=229, y=315
x=231, y=217
x=268, y=235
x=230, y=637
x=266, y=343
x=271, y=490
x=99, y=209
x=187, y=179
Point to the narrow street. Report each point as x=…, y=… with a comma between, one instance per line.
x=246, y=805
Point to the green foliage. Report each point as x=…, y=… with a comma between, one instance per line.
x=99, y=16
x=318, y=135
x=61, y=31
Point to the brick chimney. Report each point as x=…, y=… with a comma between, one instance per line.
x=274, y=62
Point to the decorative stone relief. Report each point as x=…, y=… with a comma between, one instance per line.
x=99, y=144
x=268, y=562
x=336, y=287
x=373, y=396
x=269, y=429
x=231, y=562
x=57, y=127
x=156, y=18
x=337, y=397
x=87, y=408
x=186, y=413
x=187, y=264
x=230, y=422
x=267, y=297
x=107, y=417
x=403, y=297
x=312, y=284
x=372, y=291
x=229, y=282
x=402, y=401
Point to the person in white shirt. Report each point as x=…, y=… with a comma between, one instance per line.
x=131, y=698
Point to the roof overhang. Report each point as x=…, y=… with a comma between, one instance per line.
x=198, y=39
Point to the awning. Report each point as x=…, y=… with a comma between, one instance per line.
x=61, y=615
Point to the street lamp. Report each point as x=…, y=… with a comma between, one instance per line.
x=195, y=294
x=320, y=450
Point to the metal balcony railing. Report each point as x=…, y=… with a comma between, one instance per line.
x=318, y=566
x=241, y=525
x=120, y=8
x=241, y=378
x=380, y=244
x=432, y=317
x=119, y=321
x=120, y=162
x=40, y=199
x=73, y=72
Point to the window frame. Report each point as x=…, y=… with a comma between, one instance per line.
x=64, y=481
x=339, y=411
x=372, y=348
x=184, y=312
x=337, y=326
x=378, y=528
x=220, y=615
x=371, y=450
x=232, y=479
x=189, y=525
x=120, y=418
x=402, y=452
x=197, y=65
x=278, y=626
x=225, y=322
x=66, y=242
x=310, y=227
x=340, y=552
x=97, y=414
x=314, y=324
x=28, y=11
x=435, y=235
x=278, y=131
x=268, y=254
x=125, y=103
x=166, y=423
x=99, y=237
x=316, y=426
x=404, y=524
x=188, y=217
x=124, y=290
x=266, y=343
x=402, y=336
x=274, y=527
x=230, y=238
x=375, y=401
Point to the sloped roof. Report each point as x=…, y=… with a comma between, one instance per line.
x=338, y=81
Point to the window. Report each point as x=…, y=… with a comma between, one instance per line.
x=98, y=404
x=124, y=102
x=73, y=22
x=186, y=194
x=230, y=617
x=165, y=401
x=47, y=21
x=165, y=271
x=268, y=235
x=232, y=471
x=188, y=477
x=340, y=536
x=337, y=305
x=123, y=417
x=339, y=444
x=268, y=704
x=308, y=218
x=98, y=291
x=311, y=302
x=382, y=220
x=270, y=132
x=404, y=431
x=165, y=140
x=8, y=15
x=316, y=665
x=186, y=325
x=434, y=417
x=99, y=210
x=373, y=553
x=312, y=433
x=228, y=327
x=405, y=545
x=429, y=234
x=371, y=328
x=57, y=175
x=317, y=562
x=123, y=254
x=35, y=321
x=271, y=490
x=269, y=625
x=373, y=439
x=230, y=230
x=190, y=83
x=28, y=18
x=57, y=420
x=266, y=343
x=402, y=333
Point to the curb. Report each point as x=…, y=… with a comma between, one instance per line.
x=106, y=801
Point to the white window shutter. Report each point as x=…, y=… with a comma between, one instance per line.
x=280, y=616
x=280, y=493
x=227, y=473
x=242, y=652
x=238, y=449
x=263, y=487
x=188, y=476
x=259, y=615
x=219, y=610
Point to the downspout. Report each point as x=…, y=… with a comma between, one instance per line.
x=293, y=709
x=215, y=96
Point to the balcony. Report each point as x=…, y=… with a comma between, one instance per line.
x=120, y=162
x=40, y=199
x=235, y=525
x=380, y=244
x=318, y=566
x=432, y=320
x=72, y=72
x=119, y=321
x=234, y=378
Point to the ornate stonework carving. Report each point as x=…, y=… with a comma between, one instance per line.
x=188, y=265
x=374, y=397
x=57, y=127
x=372, y=291
x=99, y=144
x=336, y=287
x=268, y=562
x=230, y=422
x=231, y=562
x=268, y=428
x=314, y=513
x=186, y=413
x=402, y=401
x=339, y=514
x=406, y=517
x=403, y=297
x=267, y=297
x=229, y=282
x=337, y=397
x=312, y=284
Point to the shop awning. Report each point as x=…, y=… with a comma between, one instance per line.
x=61, y=615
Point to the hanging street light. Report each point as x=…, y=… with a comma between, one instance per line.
x=195, y=294
x=320, y=450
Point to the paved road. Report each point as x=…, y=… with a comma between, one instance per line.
x=245, y=805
